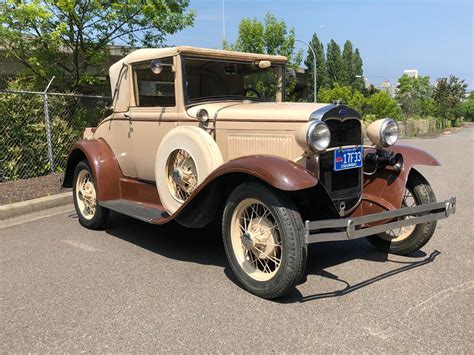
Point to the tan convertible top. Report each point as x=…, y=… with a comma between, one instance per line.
x=152, y=53
x=122, y=98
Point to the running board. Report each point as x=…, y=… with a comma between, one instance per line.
x=136, y=210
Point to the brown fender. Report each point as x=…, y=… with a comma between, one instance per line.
x=104, y=165
x=384, y=190
x=280, y=173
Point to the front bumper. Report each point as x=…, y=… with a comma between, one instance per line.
x=353, y=228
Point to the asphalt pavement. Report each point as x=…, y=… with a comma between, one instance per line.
x=134, y=287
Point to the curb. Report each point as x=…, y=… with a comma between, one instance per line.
x=19, y=209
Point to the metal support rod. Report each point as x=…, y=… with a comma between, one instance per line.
x=314, y=68
x=47, y=124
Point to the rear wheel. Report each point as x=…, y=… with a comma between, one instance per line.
x=405, y=240
x=90, y=213
x=264, y=240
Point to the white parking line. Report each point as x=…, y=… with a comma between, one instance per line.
x=79, y=245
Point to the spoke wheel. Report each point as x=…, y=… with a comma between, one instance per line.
x=264, y=239
x=85, y=194
x=405, y=240
x=90, y=213
x=402, y=233
x=182, y=174
x=256, y=239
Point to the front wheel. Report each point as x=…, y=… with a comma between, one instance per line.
x=408, y=239
x=264, y=240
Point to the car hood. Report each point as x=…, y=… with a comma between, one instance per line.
x=258, y=111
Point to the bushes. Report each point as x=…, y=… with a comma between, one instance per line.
x=23, y=139
x=378, y=105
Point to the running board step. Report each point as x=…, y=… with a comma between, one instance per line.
x=136, y=210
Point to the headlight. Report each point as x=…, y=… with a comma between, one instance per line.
x=383, y=132
x=389, y=132
x=313, y=137
x=318, y=136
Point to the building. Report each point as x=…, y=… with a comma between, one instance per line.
x=412, y=73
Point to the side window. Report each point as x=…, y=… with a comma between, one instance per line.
x=153, y=89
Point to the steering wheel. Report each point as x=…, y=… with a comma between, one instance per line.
x=247, y=90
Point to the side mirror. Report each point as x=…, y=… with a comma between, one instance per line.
x=156, y=66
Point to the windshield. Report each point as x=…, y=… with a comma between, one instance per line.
x=210, y=79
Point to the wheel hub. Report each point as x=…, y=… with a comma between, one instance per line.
x=177, y=176
x=259, y=239
x=247, y=241
x=182, y=174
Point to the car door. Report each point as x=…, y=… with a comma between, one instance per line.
x=154, y=112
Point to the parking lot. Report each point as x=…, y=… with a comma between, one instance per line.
x=134, y=287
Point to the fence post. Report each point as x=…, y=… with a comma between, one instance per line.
x=47, y=124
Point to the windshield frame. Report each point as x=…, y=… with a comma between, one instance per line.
x=193, y=102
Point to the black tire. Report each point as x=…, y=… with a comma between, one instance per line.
x=422, y=233
x=293, y=249
x=101, y=214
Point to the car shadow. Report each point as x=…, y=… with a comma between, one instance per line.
x=204, y=246
x=416, y=259
x=173, y=241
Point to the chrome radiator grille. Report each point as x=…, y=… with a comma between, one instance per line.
x=345, y=186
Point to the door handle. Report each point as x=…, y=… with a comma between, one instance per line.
x=128, y=116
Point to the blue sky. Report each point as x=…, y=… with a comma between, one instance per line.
x=435, y=37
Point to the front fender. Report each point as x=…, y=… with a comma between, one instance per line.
x=104, y=166
x=384, y=190
x=282, y=174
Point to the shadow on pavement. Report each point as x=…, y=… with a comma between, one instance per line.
x=296, y=296
x=173, y=241
x=204, y=246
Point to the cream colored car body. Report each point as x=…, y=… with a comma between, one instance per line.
x=241, y=127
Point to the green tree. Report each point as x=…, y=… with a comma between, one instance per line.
x=270, y=37
x=414, y=96
x=250, y=28
x=334, y=63
x=381, y=105
x=352, y=98
x=466, y=108
x=447, y=96
x=69, y=38
x=347, y=76
x=359, y=102
x=357, y=70
x=338, y=92
x=321, y=70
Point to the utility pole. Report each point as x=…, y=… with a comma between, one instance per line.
x=314, y=68
x=223, y=25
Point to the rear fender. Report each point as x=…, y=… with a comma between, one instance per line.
x=384, y=190
x=104, y=166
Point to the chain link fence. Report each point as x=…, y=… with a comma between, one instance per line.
x=37, y=130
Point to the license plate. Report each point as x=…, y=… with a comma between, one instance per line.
x=347, y=158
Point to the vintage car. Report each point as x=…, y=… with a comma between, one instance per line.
x=200, y=135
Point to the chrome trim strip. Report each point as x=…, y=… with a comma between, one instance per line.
x=352, y=228
x=319, y=113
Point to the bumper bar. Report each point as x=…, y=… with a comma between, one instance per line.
x=353, y=228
